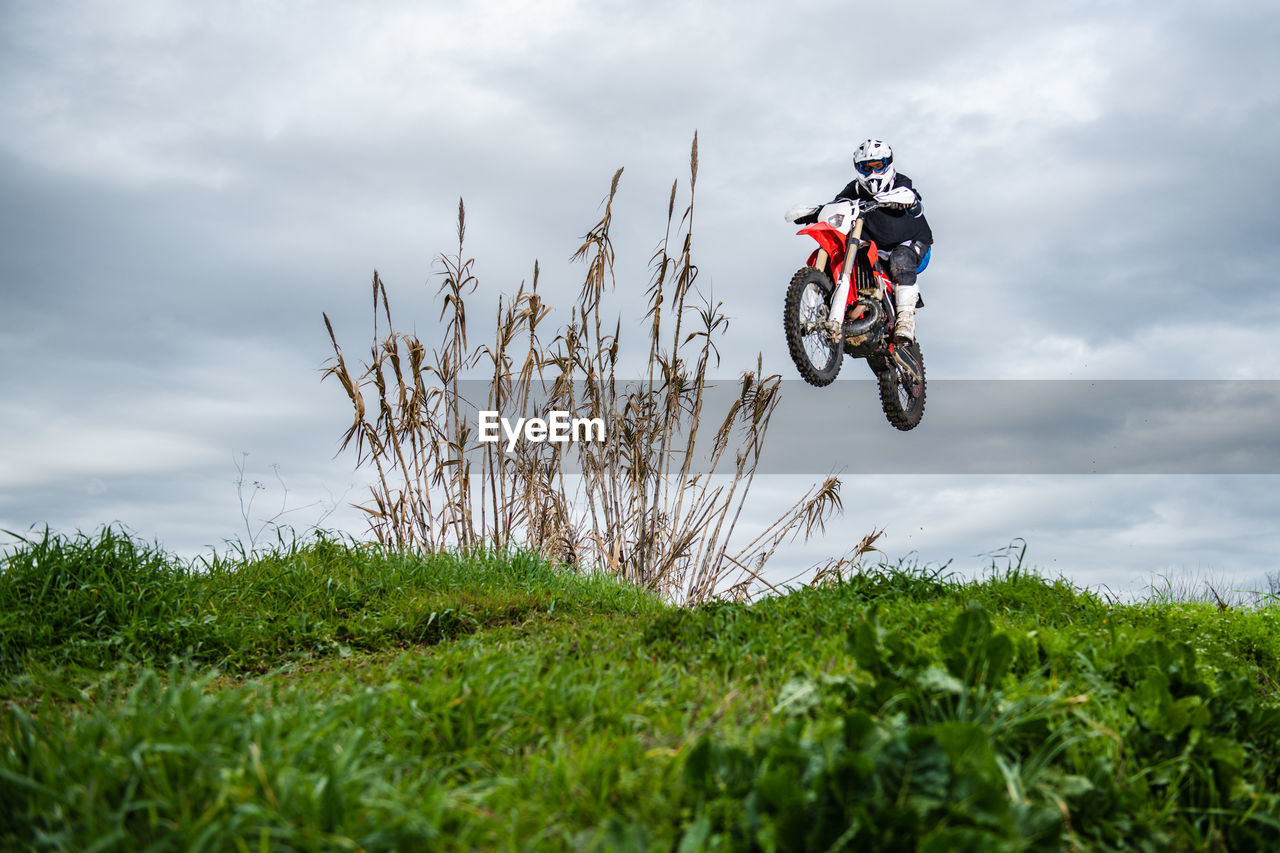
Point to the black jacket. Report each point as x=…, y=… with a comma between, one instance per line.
x=891, y=227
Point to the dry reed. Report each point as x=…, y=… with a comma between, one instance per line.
x=656, y=504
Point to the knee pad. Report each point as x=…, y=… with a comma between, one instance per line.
x=902, y=265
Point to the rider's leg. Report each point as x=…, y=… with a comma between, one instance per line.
x=903, y=262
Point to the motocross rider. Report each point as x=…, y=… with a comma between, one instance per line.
x=902, y=227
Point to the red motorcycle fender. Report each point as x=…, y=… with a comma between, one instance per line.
x=830, y=239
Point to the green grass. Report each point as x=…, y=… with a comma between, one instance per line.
x=334, y=696
x=90, y=602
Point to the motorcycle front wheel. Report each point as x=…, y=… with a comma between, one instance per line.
x=803, y=315
x=901, y=397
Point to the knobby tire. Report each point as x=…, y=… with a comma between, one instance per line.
x=818, y=368
x=903, y=409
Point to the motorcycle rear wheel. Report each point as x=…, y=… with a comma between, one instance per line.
x=901, y=397
x=803, y=314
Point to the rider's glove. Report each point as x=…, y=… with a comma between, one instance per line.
x=900, y=198
x=915, y=208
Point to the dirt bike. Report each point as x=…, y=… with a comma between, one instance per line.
x=827, y=316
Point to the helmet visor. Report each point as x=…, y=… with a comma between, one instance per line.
x=871, y=167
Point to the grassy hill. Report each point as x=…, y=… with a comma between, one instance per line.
x=335, y=696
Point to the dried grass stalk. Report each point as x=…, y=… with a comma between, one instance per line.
x=637, y=505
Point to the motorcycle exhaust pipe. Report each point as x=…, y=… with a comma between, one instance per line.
x=858, y=328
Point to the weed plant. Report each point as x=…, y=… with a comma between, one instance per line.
x=637, y=505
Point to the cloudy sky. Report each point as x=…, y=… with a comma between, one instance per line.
x=185, y=187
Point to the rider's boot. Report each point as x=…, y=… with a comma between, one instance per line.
x=904, y=327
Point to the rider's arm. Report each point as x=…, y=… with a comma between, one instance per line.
x=914, y=210
x=904, y=198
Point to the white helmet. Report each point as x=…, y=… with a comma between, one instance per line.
x=874, y=163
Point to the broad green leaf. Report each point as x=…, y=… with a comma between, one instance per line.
x=799, y=696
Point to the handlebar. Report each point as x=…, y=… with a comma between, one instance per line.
x=866, y=206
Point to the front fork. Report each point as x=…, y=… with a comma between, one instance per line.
x=840, y=300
